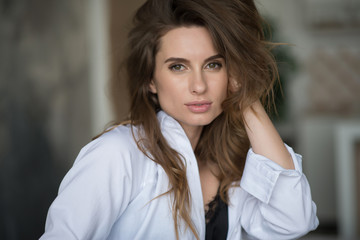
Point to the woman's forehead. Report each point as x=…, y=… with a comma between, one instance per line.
x=187, y=42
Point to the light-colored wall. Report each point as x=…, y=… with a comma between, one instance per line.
x=120, y=14
x=97, y=30
x=314, y=130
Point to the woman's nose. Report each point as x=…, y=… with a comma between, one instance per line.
x=198, y=83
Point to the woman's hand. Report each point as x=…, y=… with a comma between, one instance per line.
x=264, y=138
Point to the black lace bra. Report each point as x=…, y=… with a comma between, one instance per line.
x=216, y=219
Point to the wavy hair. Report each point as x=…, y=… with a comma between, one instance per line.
x=236, y=30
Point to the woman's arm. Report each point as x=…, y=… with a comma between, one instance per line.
x=264, y=138
x=279, y=203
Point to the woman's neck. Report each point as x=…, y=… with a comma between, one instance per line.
x=193, y=133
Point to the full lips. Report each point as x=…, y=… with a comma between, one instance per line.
x=199, y=107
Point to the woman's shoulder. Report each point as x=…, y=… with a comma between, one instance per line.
x=114, y=146
x=117, y=138
x=112, y=158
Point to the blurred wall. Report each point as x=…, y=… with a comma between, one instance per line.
x=98, y=38
x=44, y=107
x=56, y=60
x=120, y=13
x=322, y=94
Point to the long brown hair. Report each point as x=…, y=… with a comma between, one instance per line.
x=236, y=30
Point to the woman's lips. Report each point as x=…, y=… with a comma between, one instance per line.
x=199, y=106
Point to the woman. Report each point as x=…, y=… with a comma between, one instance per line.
x=181, y=167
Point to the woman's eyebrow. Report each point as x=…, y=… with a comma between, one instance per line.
x=175, y=59
x=214, y=57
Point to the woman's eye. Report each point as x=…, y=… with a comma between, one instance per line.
x=214, y=65
x=177, y=67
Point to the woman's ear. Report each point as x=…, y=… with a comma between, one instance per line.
x=233, y=84
x=152, y=87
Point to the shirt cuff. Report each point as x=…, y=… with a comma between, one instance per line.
x=260, y=174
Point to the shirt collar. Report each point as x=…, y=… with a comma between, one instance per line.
x=169, y=123
x=173, y=132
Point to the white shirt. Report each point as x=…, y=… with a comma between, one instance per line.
x=110, y=193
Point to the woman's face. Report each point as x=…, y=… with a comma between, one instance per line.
x=190, y=77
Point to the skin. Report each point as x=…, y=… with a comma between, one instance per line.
x=189, y=69
x=264, y=138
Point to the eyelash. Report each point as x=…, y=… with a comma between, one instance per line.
x=218, y=65
x=172, y=67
